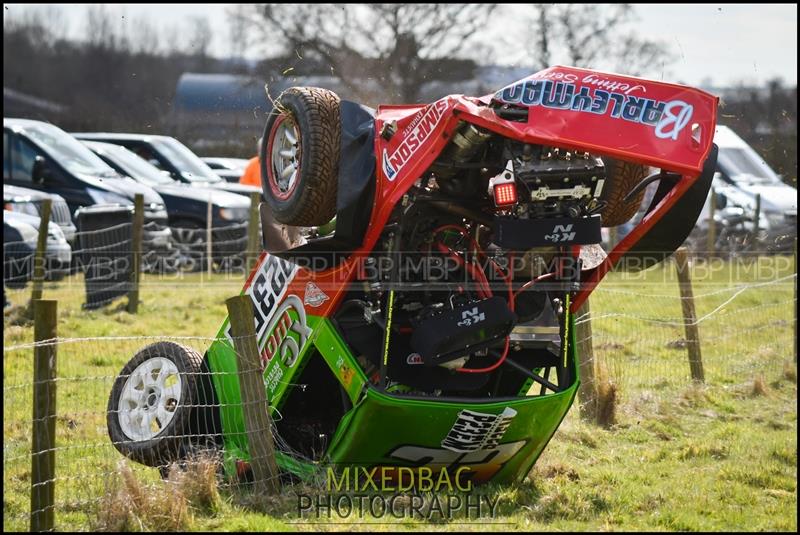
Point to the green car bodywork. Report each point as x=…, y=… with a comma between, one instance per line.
x=497, y=440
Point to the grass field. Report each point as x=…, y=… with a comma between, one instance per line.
x=680, y=457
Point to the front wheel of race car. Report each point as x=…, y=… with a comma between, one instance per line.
x=150, y=408
x=299, y=156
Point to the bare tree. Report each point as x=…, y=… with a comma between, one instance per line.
x=200, y=37
x=397, y=47
x=594, y=35
x=103, y=31
x=237, y=30
x=145, y=36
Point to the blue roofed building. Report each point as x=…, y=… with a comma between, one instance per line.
x=228, y=109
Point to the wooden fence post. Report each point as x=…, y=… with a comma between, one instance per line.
x=588, y=388
x=794, y=308
x=137, y=230
x=43, y=453
x=757, y=216
x=712, y=225
x=254, y=398
x=612, y=237
x=252, y=231
x=689, y=316
x=39, y=258
x=209, y=246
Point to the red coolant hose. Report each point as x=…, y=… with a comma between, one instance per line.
x=532, y=282
x=483, y=285
x=480, y=278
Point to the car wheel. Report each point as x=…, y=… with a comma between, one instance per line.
x=299, y=156
x=190, y=242
x=149, y=413
x=621, y=178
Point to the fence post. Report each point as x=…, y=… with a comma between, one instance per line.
x=612, y=237
x=39, y=257
x=252, y=231
x=689, y=316
x=137, y=230
x=43, y=454
x=254, y=399
x=756, y=220
x=712, y=226
x=794, y=308
x=209, y=256
x=588, y=388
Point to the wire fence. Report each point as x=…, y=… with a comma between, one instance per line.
x=229, y=244
x=639, y=336
x=745, y=315
x=104, y=255
x=102, y=414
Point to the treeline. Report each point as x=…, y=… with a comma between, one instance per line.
x=122, y=77
x=767, y=119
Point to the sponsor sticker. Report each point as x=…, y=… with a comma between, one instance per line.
x=471, y=317
x=314, y=296
x=605, y=97
x=478, y=431
x=473, y=442
x=267, y=289
x=422, y=125
x=414, y=359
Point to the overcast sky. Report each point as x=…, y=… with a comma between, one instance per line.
x=724, y=43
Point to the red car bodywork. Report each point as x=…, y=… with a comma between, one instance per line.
x=605, y=116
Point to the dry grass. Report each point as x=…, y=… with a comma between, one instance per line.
x=790, y=372
x=278, y=105
x=197, y=481
x=606, y=410
x=760, y=387
x=695, y=395
x=18, y=315
x=130, y=505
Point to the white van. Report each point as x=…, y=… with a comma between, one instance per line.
x=742, y=175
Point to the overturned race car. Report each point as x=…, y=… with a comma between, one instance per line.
x=420, y=310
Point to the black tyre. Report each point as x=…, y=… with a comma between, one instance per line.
x=189, y=238
x=621, y=178
x=299, y=156
x=150, y=410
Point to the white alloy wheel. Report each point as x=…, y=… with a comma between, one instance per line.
x=149, y=398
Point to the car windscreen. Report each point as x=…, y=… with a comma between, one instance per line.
x=136, y=167
x=735, y=162
x=68, y=151
x=187, y=162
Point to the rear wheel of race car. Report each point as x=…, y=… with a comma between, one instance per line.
x=150, y=408
x=621, y=178
x=299, y=156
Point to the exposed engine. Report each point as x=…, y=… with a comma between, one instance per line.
x=474, y=268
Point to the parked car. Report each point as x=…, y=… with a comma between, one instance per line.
x=58, y=253
x=43, y=157
x=19, y=246
x=29, y=201
x=170, y=155
x=231, y=169
x=743, y=176
x=187, y=207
